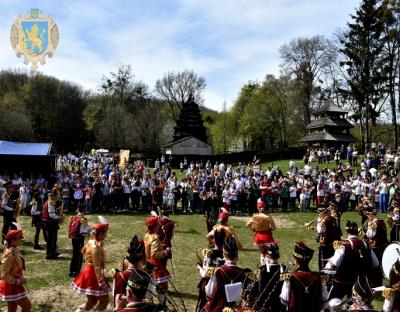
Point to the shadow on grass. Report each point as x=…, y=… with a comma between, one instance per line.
x=190, y=231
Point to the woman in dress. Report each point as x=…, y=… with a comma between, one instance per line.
x=12, y=282
x=91, y=281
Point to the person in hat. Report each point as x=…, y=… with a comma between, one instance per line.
x=352, y=258
x=36, y=214
x=91, y=281
x=212, y=259
x=326, y=230
x=77, y=230
x=262, y=225
x=362, y=295
x=12, y=283
x=133, y=262
x=376, y=234
x=336, y=214
x=269, y=282
x=155, y=255
x=8, y=205
x=303, y=290
x=394, y=222
x=51, y=218
x=167, y=228
x=392, y=294
x=225, y=284
x=137, y=286
x=222, y=224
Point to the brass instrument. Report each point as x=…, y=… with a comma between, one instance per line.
x=61, y=213
x=361, y=230
x=309, y=225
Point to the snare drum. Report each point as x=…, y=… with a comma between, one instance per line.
x=390, y=256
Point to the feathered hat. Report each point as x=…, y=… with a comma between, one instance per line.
x=15, y=233
x=260, y=204
x=102, y=226
x=223, y=215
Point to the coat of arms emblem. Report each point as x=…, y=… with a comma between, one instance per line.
x=34, y=36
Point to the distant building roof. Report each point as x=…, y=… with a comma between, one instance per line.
x=330, y=107
x=184, y=139
x=22, y=148
x=326, y=121
x=324, y=136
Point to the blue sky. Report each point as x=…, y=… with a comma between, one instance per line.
x=228, y=42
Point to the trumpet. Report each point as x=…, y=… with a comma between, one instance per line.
x=309, y=225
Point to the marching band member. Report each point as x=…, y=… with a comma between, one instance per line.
x=51, y=217
x=36, y=213
x=326, y=229
x=362, y=295
x=77, y=230
x=138, y=284
x=134, y=263
x=212, y=259
x=302, y=289
x=394, y=222
x=224, y=287
x=352, y=258
x=377, y=236
x=392, y=294
x=167, y=228
x=8, y=206
x=262, y=225
x=155, y=255
x=269, y=283
x=222, y=223
x=91, y=281
x=12, y=282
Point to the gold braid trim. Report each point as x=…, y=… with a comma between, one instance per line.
x=211, y=271
x=337, y=244
x=388, y=293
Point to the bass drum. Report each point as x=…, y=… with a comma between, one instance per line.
x=390, y=256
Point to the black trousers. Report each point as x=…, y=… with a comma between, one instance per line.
x=339, y=290
x=8, y=219
x=52, y=231
x=40, y=226
x=77, y=256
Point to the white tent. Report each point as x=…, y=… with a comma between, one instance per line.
x=21, y=148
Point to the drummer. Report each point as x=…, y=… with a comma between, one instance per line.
x=394, y=221
x=392, y=272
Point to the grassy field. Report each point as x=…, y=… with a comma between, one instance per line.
x=48, y=281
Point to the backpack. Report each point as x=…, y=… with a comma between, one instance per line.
x=74, y=226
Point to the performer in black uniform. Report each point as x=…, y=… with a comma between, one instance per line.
x=9, y=202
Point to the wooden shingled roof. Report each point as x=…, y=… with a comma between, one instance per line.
x=324, y=136
x=327, y=121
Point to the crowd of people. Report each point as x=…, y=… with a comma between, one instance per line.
x=94, y=183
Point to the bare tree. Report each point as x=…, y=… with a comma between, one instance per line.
x=306, y=59
x=176, y=89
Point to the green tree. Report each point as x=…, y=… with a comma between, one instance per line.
x=363, y=45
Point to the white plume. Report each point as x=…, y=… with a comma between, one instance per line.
x=18, y=227
x=224, y=210
x=153, y=213
x=102, y=220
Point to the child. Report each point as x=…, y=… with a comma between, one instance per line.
x=302, y=205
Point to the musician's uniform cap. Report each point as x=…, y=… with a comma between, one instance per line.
x=334, y=204
x=370, y=210
x=102, y=226
x=138, y=283
x=136, y=247
x=230, y=246
x=271, y=249
x=260, y=204
x=301, y=251
x=351, y=226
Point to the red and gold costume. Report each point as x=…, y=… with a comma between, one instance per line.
x=262, y=225
x=392, y=294
x=91, y=281
x=155, y=253
x=13, y=265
